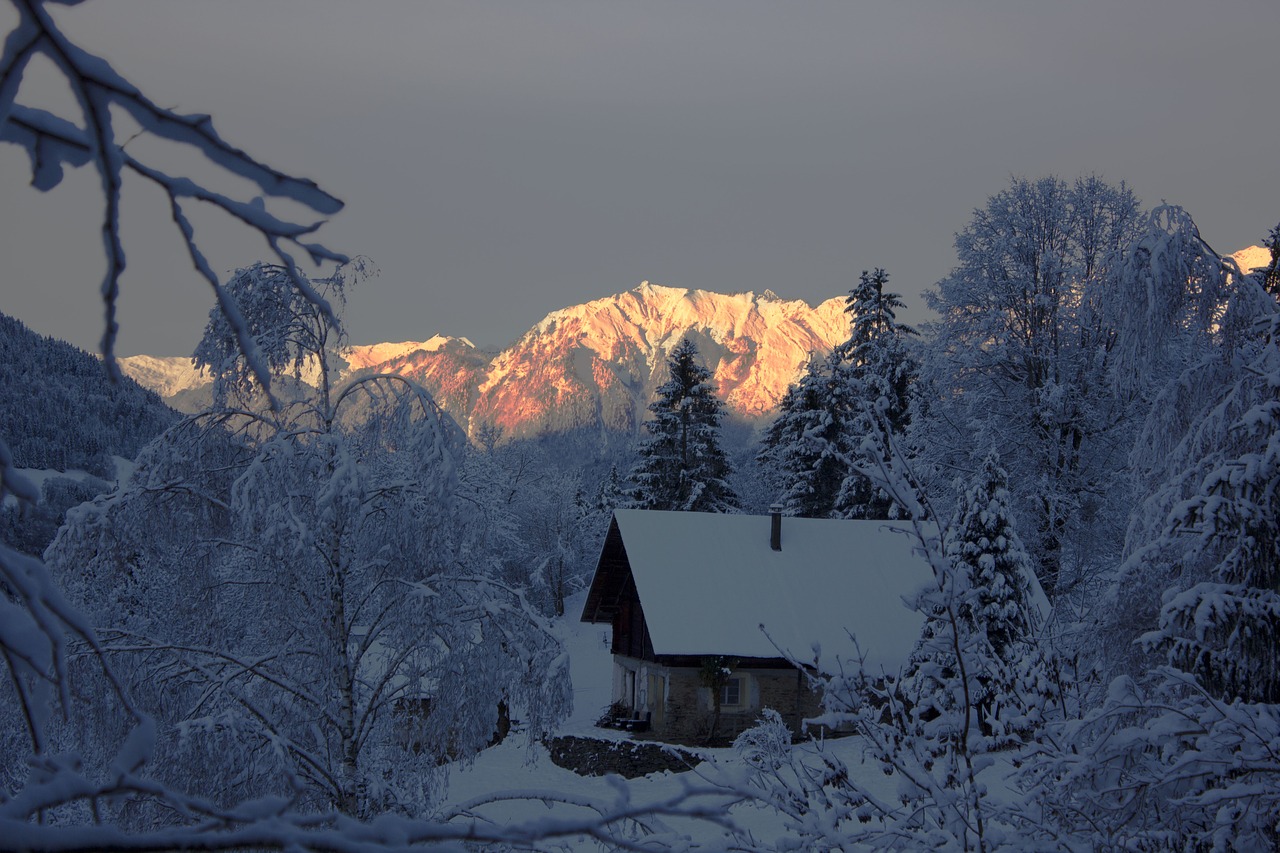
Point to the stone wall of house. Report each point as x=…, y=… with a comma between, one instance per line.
x=689, y=705
x=686, y=721
x=788, y=693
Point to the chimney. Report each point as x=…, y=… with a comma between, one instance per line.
x=775, y=527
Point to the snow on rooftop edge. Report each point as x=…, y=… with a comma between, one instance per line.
x=708, y=582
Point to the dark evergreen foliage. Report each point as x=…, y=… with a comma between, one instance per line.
x=878, y=371
x=1223, y=625
x=984, y=547
x=30, y=529
x=682, y=466
x=1271, y=275
x=59, y=410
x=811, y=449
x=807, y=447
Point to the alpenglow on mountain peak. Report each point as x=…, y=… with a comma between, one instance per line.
x=597, y=365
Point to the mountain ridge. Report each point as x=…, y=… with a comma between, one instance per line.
x=596, y=365
x=592, y=365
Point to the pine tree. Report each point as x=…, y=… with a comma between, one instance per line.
x=806, y=448
x=985, y=613
x=681, y=464
x=983, y=544
x=875, y=366
x=610, y=494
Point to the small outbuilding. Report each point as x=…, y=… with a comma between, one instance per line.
x=703, y=601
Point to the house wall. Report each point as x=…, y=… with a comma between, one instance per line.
x=681, y=708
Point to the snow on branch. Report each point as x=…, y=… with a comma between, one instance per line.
x=53, y=142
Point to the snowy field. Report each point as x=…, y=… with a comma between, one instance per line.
x=516, y=766
x=38, y=476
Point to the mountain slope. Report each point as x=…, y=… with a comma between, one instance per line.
x=592, y=366
x=58, y=410
x=1252, y=258
x=188, y=390
x=596, y=365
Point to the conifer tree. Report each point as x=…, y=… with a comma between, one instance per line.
x=1223, y=627
x=682, y=466
x=986, y=613
x=807, y=447
x=1185, y=755
x=1271, y=275
x=610, y=494
x=875, y=365
x=983, y=544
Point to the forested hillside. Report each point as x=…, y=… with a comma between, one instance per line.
x=59, y=410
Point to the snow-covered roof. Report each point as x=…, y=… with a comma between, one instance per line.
x=708, y=582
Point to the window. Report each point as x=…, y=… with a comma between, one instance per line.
x=731, y=692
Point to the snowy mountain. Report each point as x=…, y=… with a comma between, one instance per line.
x=598, y=364
x=166, y=375
x=591, y=366
x=188, y=390
x=1252, y=258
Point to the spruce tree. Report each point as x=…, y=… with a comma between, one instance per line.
x=874, y=365
x=1223, y=626
x=983, y=544
x=806, y=448
x=978, y=649
x=681, y=464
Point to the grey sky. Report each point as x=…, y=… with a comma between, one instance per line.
x=502, y=160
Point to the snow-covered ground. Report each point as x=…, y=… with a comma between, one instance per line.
x=38, y=476
x=517, y=766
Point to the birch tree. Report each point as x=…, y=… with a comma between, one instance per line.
x=1020, y=354
x=334, y=635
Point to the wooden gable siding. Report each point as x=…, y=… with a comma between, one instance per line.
x=612, y=579
x=613, y=599
x=630, y=631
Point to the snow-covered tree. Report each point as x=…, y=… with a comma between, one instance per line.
x=996, y=620
x=682, y=466
x=806, y=448
x=337, y=640
x=925, y=729
x=1019, y=358
x=810, y=449
x=1186, y=757
x=1223, y=626
x=610, y=494
x=1175, y=349
x=1271, y=275
x=875, y=369
x=983, y=544
x=57, y=790
x=93, y=137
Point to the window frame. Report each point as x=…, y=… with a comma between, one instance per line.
x=737, y=682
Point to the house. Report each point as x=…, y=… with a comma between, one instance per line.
x=680, y=589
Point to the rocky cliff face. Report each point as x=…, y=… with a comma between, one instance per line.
x=598, y=364
x=595, y=365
